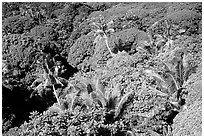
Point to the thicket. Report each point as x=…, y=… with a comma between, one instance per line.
x=97, y=68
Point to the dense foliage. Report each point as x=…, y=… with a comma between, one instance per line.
x=99, y=68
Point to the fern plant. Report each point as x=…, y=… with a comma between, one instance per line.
x=112, y=101
x=95, y=93
x=171, y=81
x=164, y=39
x=79, y=92
x=102, y=31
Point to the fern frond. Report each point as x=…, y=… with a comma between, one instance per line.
x=180, y=70
x=166, y=66
x=99, y=93
x=72, y=97
x=120, y=105
x=155, y=91
x=116, y=91
x=87, y=98
x=172, y=84
x=111, y=103
x=156, y=76
x=184, y=61
x=99, y=85
x=99, y=97
x=160, y=81
x=97, y=25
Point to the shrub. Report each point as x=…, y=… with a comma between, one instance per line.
x=80, y=52
x=128, y=39
x=43, y=32
x=101, y=6
x=110, y=95
x=18, y=24
x=8, y=9
x=186, y=19
x=77, y=123
x=19, y=52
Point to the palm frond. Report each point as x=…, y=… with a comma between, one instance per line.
x=97, y=25
x=155, y=91
x=99, y=93
x=166, y=66
x=172, y=84
x=160, y=81
x=99, y=85
x=141, y=48
x=184, y=61
x=111, y=103
x=97, y=99
x=121, y=103
x=116, y=91
x=101, y=97
x=87, y=98
x=72, y=97
x=180, y=69
x=156, y=76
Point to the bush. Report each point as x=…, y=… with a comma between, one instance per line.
x=43, y=32
x=18, y=24
x=86, y=123
x=128, y=40
x=186, y=19
x=101, y=6
x=9, y=8
x=20, y=53
x=80, y=52
x=113, y=93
